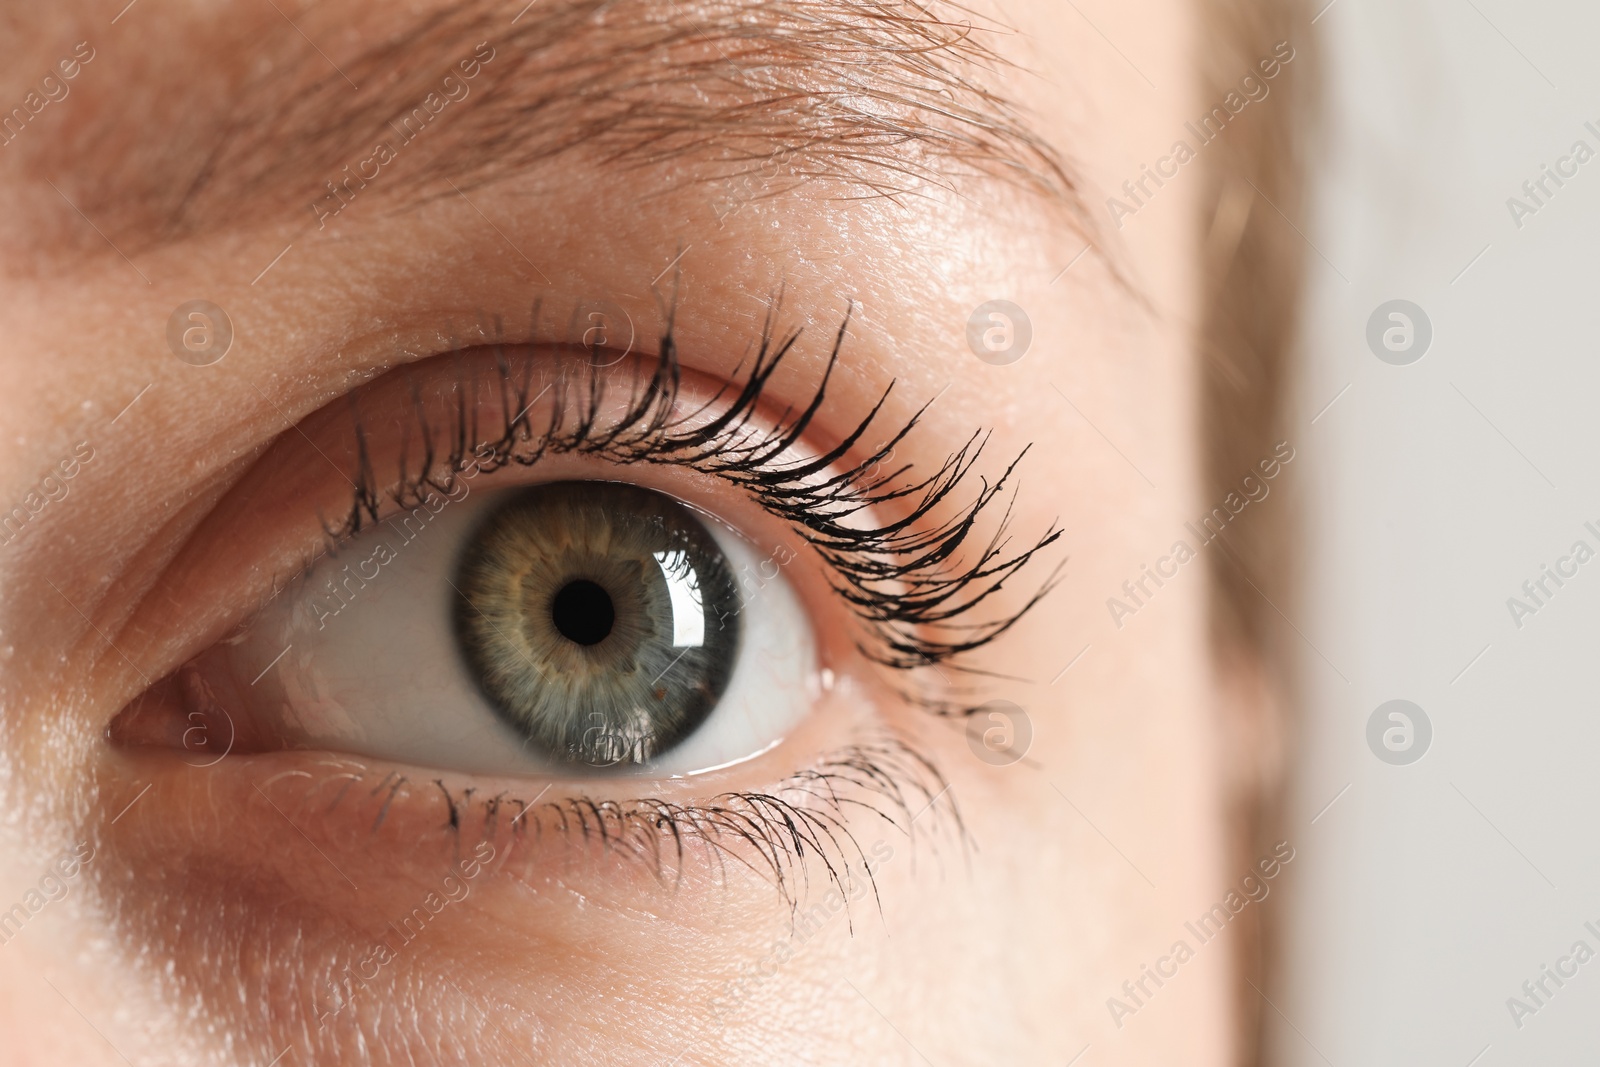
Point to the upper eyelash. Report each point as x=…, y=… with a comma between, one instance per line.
x=903, y=581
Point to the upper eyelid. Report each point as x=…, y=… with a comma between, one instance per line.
x=292, y=399
x=902, y=573
x=220, y=582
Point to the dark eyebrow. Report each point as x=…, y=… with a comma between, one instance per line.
x=859, y=98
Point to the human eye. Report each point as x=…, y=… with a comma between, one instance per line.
x=542, y=626
x=568, y=573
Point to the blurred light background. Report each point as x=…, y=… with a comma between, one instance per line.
x=1427, y=893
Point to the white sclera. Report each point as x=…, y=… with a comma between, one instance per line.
x=375, y=671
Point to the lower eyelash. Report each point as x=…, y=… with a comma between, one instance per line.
x=773, y=833
x=903, y=578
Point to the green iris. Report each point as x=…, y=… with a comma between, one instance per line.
x=600, y=619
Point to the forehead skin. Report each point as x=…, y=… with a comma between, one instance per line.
x=870, y=98
x=186, y=162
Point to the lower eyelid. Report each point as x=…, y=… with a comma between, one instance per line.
x=276, y=893
x=333, y=824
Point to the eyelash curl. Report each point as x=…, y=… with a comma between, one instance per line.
x=907, y=574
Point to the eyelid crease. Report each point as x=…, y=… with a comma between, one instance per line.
x=912, y=578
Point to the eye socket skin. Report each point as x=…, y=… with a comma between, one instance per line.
x=354, y=666
x=728, y=815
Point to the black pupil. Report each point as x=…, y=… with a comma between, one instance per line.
x=583, y=612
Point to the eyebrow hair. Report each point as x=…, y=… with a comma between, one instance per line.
x=860, y=98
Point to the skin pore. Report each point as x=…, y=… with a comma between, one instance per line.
x=222, y=901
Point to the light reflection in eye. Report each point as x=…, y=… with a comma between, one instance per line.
x=683, y=587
